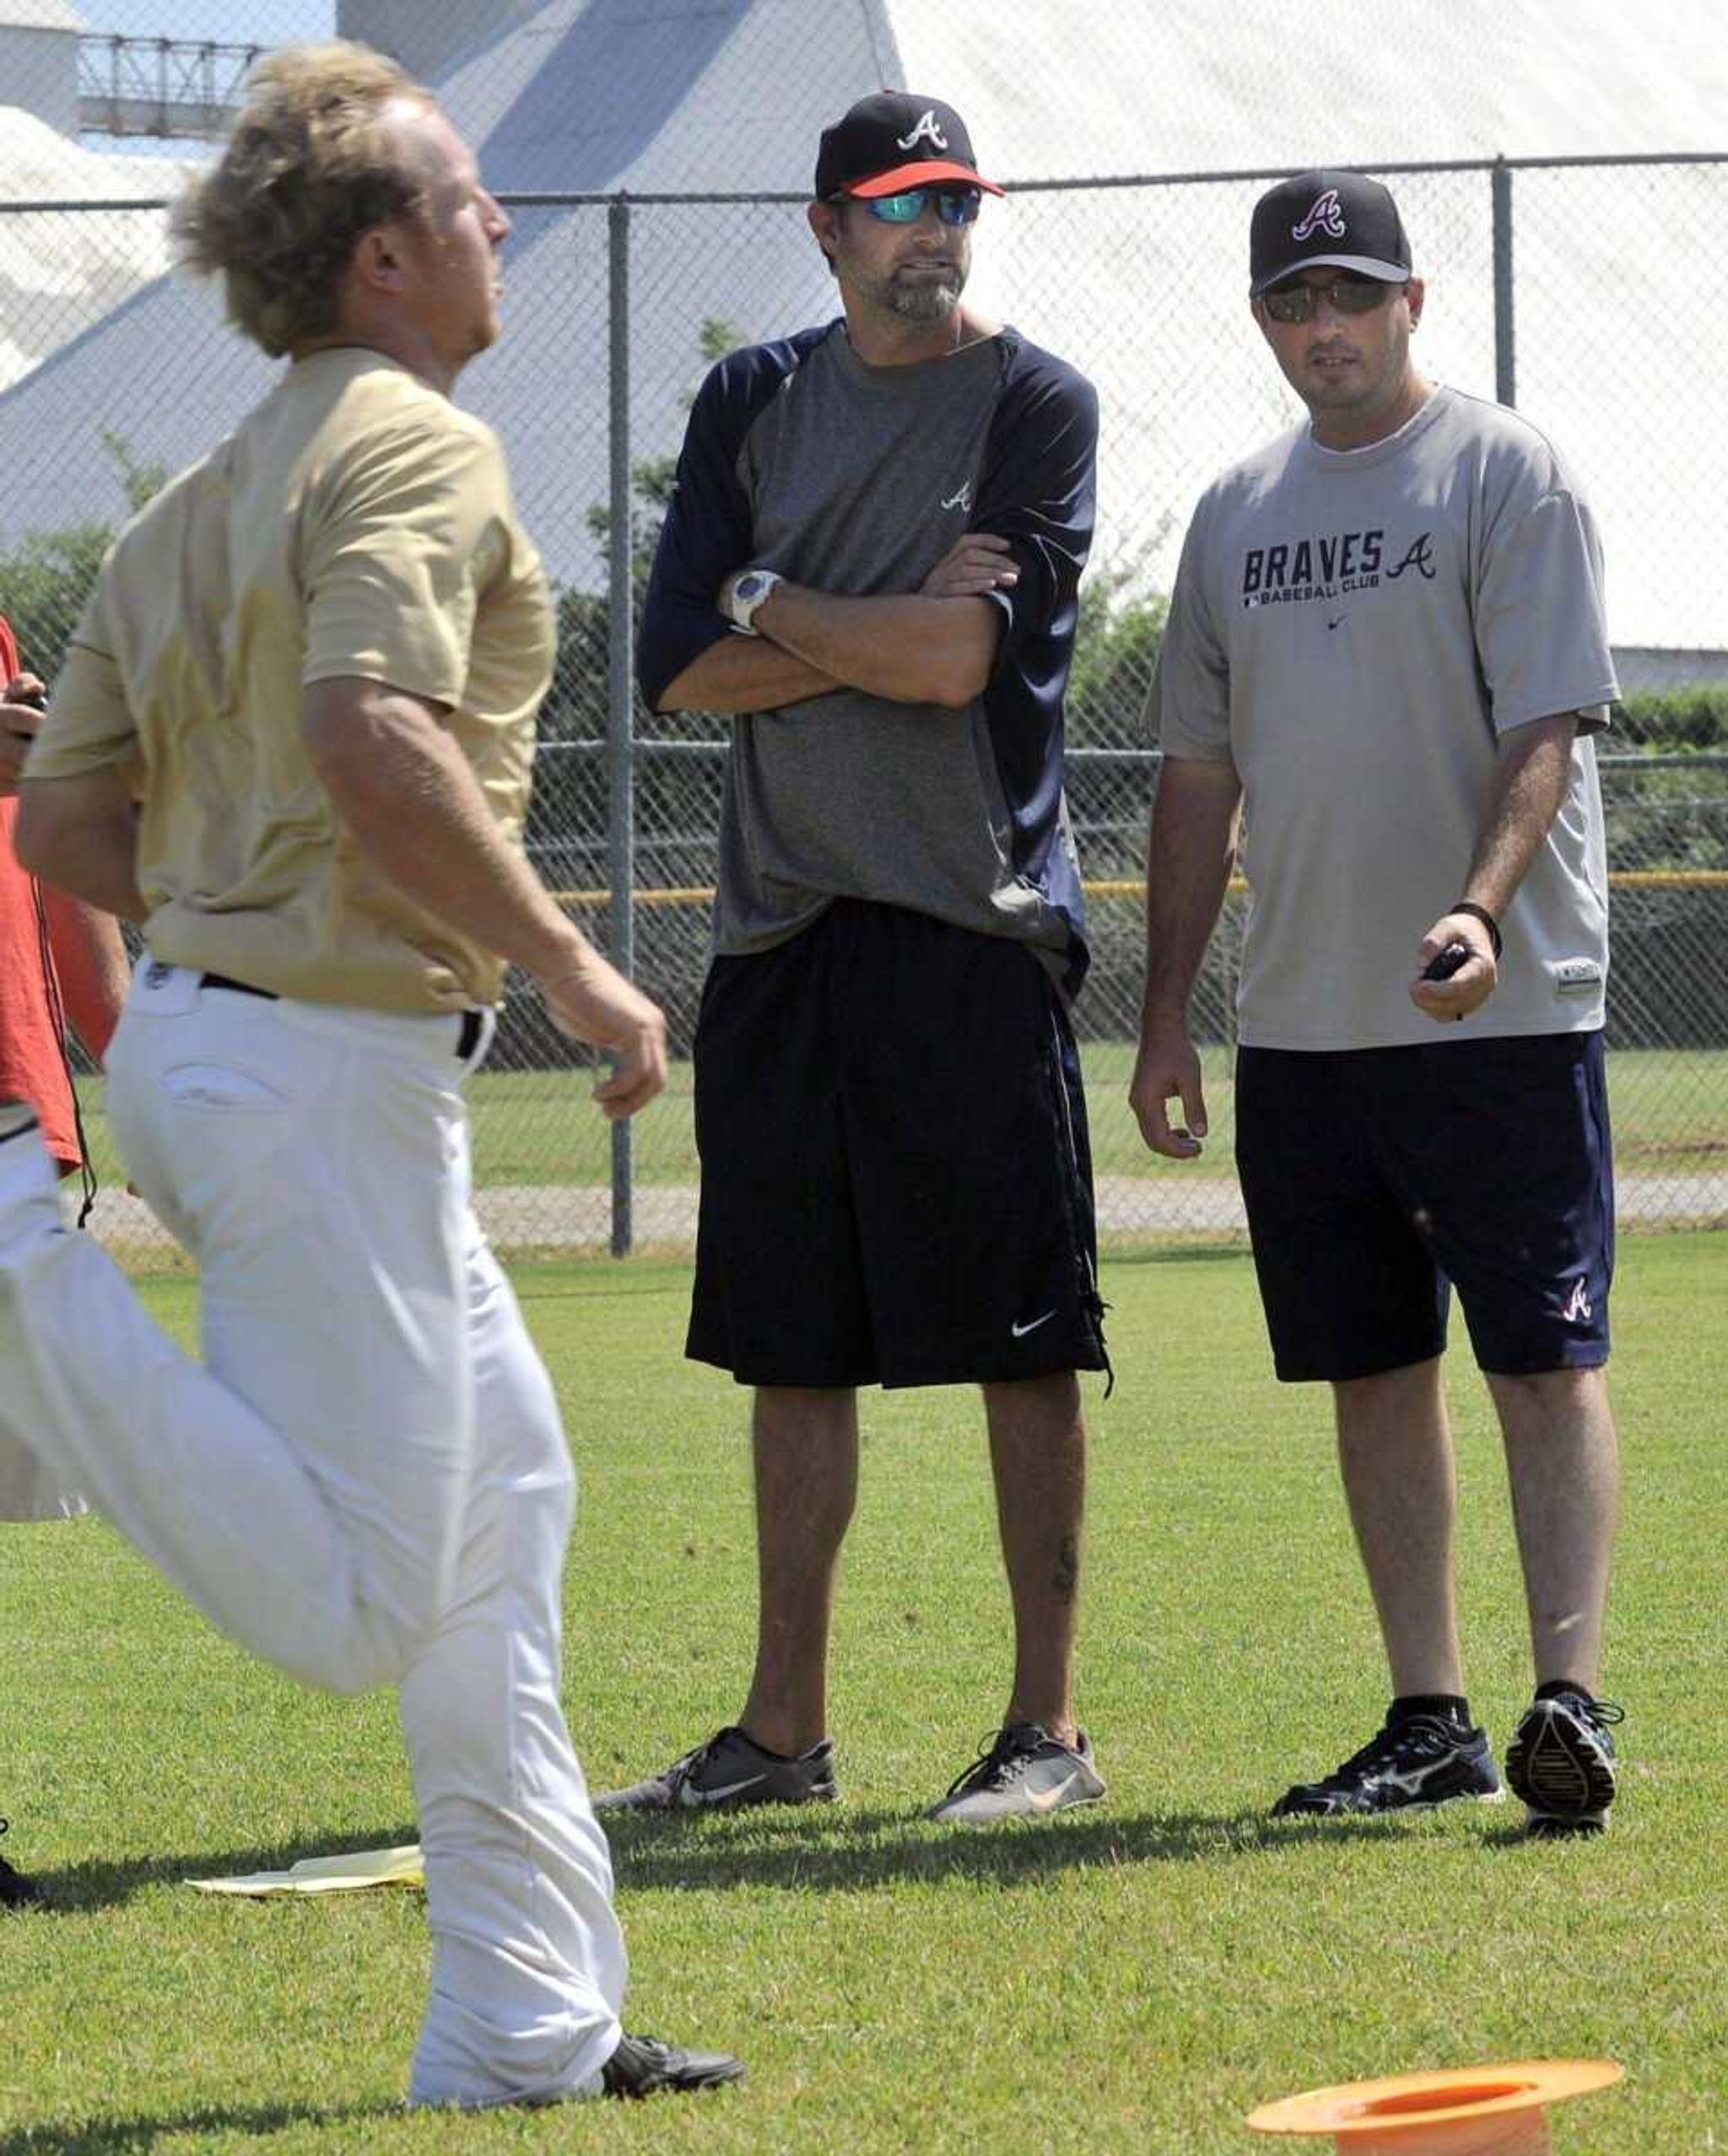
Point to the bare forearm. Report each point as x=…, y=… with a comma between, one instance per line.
x=80, y=835
x=1192, y=851
x=744, y=673
x=409, y=800
x=1530, y=779
x=908, y=650
x=90, y=958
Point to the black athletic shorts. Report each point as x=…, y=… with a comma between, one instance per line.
x=896, y=1180
x=1375, y=1177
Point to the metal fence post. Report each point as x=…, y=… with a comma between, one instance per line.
x=620, y=847
x=1505, y=339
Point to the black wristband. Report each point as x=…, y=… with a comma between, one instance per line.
x=1481, y=914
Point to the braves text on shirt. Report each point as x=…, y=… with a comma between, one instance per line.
x=1327, y=568
x=1312, y=569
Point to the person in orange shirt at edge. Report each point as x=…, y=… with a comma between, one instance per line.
x=60, y=962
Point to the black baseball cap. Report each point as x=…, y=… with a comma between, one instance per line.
x=892, y=141
x=1326, y=220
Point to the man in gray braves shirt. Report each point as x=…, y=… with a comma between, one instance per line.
x=1387, y=651
x=872, y=560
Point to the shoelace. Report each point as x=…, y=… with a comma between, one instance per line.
x=1005, y=1758
x=681, y=1770
x=1603, y=1712
x=1419, y=1736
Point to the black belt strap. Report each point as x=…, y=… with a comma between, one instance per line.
x=467, y=1038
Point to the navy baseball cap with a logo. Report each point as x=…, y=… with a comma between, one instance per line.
x=1326, y=220
x=893, y=141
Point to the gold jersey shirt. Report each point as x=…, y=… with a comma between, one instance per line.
x=355, y=524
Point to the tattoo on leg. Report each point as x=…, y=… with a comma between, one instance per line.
x=1067, y=1578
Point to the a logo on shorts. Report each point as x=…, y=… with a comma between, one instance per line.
x=1578, y=1310
x=1327, y=216
x=925, y=130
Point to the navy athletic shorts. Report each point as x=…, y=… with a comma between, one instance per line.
x=896, y=1178
x=1375, y=1177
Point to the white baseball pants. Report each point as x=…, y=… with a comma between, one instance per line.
x=365, y=1482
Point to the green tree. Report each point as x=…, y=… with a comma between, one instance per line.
x=45, y=579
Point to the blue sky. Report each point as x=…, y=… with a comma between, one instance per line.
x=230, y=22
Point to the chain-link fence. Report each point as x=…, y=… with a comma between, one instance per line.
x=1543, y=286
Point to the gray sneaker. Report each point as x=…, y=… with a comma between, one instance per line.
x=730, y=1770
x=1024, y=1773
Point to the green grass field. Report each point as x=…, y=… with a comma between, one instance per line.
x=1132, y=1979
x=1670, y=1108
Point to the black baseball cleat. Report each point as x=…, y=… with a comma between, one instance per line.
x=642, y=2066
x=730, y=1770
x=1410, y=1765
x=17, y=1891
x=1561, y=1763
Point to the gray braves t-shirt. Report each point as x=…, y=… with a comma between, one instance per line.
x=1355, y=630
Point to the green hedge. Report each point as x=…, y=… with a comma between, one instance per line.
x=1674, y=719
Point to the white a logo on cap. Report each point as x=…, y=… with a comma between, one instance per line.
x=1326, y=216
x=925, y=130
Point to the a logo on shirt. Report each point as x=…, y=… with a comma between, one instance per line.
x=1327, y=216
x=1578, y=1310
x=961, y=498
x=1419, y=555
x=925, y=130
x=1324, y=568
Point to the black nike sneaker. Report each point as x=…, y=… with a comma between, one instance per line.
x=1410, y=1765
x=642, y=2066
x=729, y=1770
x=1561, y=1763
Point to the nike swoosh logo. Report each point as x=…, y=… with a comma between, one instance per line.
x=1334, y=622
x=1020, y=1332
x=692, y=1795
x=1046, y=1800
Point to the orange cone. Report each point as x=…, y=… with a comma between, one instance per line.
x=1457, y=2111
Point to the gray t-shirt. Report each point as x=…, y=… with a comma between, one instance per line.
x=858, y=478
x=1355, y=631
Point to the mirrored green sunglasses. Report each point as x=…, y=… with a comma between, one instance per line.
x=953, y=205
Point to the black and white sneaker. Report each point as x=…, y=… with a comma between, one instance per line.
x=1561, y=1763
x=16, y=1892
x=730, y=1770
x=642, y=2066
x=1412, y=1765
x=1023, y=1773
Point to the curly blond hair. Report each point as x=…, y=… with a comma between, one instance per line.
x=310, y=166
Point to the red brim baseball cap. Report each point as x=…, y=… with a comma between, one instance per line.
x=893, y=141
x=921, y=175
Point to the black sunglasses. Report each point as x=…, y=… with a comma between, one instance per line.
x=1349, y=295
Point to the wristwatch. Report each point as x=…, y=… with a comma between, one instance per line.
x=747, y=593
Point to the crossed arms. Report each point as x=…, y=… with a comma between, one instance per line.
x=935, y=646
